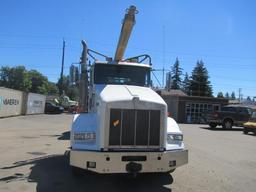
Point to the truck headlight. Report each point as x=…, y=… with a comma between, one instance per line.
x=171, y=138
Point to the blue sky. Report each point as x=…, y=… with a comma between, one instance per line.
x=222, y=33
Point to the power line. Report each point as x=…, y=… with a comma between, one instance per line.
x=70, y=38
x=27, y=47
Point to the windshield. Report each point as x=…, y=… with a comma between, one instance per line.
x=121, y=74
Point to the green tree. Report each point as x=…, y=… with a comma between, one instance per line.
x=199, y=81
x=227, y=95
x=68, y=89
x=233, y=96
x=186, y=84
x=39, y=82
x=5, y=75
x=52, y=88
x=73, y=92
x=220, y=95
x=30, y=81
x=176, y=73
x=63, y=87
x=15, y=78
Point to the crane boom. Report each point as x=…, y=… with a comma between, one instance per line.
x=129, y=21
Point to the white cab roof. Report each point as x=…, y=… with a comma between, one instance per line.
x=124, y=63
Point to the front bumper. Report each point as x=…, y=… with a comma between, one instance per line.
x=119, y=162
x=250, y=128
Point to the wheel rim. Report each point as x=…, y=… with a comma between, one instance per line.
x=228, y=124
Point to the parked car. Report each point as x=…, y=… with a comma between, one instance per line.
x=250, y=126
x=228, y=116
x=52, y=108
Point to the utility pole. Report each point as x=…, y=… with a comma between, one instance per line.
x=83, y=85
x=239, y=94
x=62, y=67
x=163, y=55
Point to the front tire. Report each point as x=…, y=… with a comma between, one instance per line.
x=245, y=131
x=213, y=125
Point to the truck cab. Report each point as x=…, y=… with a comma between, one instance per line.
x=126, y=129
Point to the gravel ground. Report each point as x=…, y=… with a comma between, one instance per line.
x=32, y=158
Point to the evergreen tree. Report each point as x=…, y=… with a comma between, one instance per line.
x=220, y=95
x=199, y=81
x=233, y=96
x=185, y=85
x=227, y=95
x=176, y=73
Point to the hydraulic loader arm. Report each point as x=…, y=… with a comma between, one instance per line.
x=128, y=23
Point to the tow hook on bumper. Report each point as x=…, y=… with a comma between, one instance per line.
x=133, y=167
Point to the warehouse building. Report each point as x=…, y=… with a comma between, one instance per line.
x=14, y=102
x=189, y=109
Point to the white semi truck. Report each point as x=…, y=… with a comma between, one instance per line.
x=125, y=128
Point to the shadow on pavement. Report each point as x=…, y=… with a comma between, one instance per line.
x=250, y=134
x=15, y=177
x=65, y=136
x=221, y=129
x=52, y=173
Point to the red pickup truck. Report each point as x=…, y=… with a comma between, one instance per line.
x=228, y=116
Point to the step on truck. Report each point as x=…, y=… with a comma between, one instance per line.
x=123, y=126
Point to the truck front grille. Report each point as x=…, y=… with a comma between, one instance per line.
x=129, y=127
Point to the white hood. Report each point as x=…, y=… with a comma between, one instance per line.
x=117, y=93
